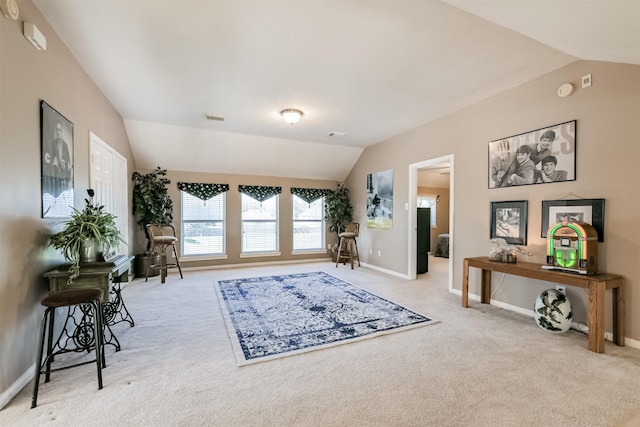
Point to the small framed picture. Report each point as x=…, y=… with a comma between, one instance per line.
x=509, y=221
x=56, y=142
x=590, y=211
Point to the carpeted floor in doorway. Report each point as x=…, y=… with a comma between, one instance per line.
x=276, y=316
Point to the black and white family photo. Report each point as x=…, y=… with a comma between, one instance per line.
x=538, y=157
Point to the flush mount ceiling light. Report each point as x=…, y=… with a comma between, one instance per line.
x=291, y=115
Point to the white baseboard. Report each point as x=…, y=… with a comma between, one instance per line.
x=385, y=271
x=17, y=386
x=578, y=326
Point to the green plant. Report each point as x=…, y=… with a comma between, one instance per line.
x=90, y=224
x=337, y=208
x=151, y=201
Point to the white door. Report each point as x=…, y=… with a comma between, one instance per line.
x=108, y=178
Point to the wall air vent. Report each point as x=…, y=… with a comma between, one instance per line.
x=214, y=118
x=336, y=134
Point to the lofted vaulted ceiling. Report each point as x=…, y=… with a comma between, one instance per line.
x=368, y=69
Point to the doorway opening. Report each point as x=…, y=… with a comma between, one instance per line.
x=442, y=166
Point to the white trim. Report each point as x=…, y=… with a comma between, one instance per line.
x=17, y=386
x=412, y=228
x=259, y=254
x=193, y=258
x=384, y=270
x=309, y=252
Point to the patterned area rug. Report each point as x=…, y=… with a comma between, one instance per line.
x=276, y=316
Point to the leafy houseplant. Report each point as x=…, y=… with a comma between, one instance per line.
x=151, y=201
x=89, y=231
x=151, y=205
x=337, y=209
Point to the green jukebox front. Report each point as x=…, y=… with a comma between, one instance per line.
x=572, y=246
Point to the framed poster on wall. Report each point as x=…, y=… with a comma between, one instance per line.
x=56, y=142
x=380, y=199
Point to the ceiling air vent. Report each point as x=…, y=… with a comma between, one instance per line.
x=336, y=134
x=214, y=118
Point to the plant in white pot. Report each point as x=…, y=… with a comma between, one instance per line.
x=89, y=233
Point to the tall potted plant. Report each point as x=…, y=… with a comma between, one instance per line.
x=151, y=205
x=337, y=211
x=89, y=233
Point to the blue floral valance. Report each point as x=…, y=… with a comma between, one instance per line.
x=203, y=191
x=309, y=195
x=258, y=192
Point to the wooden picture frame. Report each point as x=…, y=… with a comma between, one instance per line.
x=590, y=211
x=56, y=144
x=509, y=221
x=541, y=156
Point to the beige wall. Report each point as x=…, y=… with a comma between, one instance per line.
x=26, y=77
x=233, y=215
x=608, y=155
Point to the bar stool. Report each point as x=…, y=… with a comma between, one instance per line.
x=84, y=338
x=163, y=236
x=348, y=241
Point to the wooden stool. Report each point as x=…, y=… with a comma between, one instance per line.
x=163, y=237
x=348, y=240
x=88, y=298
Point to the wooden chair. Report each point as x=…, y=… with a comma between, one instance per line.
x=162, y=237
x=348, y=243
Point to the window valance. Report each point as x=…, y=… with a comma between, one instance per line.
x=202, y=191
x=258, y=192
x=309, y=195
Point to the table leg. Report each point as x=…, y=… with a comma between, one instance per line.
x=485, y=294
x=618, y=314
x=596, y=316
x=465, y=283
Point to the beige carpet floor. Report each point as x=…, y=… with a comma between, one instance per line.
x=482, y=366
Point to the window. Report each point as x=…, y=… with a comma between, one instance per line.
x=429, y=201
x=259, y=224
x=203, y=225
x=308, y=224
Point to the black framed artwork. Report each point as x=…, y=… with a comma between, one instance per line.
x=540, y=156
x=590, y=211
x=509, y=221
x=56, y=142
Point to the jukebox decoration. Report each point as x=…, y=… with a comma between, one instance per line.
x=573, y=247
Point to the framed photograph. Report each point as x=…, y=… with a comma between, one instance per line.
x=56, y=142
x=380, y=199
x=541, y=156
x=509, y=221
x=590, y=211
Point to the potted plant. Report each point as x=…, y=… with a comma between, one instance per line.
x=337, y=212
x=151, y=205
x=89, y=233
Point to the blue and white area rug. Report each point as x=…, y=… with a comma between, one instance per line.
x=276, y=316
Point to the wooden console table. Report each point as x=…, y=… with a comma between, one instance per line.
x=596, y=285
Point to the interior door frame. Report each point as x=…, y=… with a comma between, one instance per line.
x=412, y=229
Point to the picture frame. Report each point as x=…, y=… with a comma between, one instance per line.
x=590, y=211
x=541, y=156
x=56, y=150
x=509, y=221
x=380, y=200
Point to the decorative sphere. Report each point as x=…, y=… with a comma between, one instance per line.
x=553, y=311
